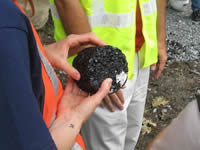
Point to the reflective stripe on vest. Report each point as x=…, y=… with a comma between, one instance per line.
x=113, y=21
x=53, y=78
x=54, y=11
x=149, y=7
x=76, y=147
x=48, y=68
x=100, y=18
x=50, y=72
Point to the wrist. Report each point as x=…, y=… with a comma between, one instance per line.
x=69, y=121
x=64, y=132
x=161, y=43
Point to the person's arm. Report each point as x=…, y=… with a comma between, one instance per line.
x=22, y=126
x=161, y=36
x=73, y=111
x=72, y=16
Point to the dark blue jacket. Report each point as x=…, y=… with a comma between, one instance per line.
x=21, y=86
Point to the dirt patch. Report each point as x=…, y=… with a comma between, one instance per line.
x=176, y=87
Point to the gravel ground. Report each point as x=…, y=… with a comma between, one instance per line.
x=182, y=36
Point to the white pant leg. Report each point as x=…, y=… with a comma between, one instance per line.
x=136, y=107
x=107, y=130
x=183, y=133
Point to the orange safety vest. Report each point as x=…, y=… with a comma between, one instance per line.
x=53, y=89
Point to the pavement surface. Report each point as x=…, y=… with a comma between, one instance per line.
x=183, y=36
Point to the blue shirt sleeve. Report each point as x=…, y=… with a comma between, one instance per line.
x=21, y=124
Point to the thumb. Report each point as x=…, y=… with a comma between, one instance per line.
x=103, y=91
x=68, y=69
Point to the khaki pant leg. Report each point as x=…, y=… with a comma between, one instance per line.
x=136, y=107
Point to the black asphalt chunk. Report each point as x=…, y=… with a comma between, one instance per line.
x=98, y=63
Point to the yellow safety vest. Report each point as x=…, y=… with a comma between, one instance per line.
x=114, y=21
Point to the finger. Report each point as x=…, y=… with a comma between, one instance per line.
x=102, y=104
x=77, y=40
x=121, y=96
x=69, y=86
x=102, y=92
x=160, y=69
x=68, y=69
x=123, y=87
x=109, y=103
x=117, y=101
x=75, y=89
x=77, y=49
x=95, y=40
x=85, y=45
x=153, y=67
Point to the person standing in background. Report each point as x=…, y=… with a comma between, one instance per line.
x=180, y=5
x=137, y=29
x=195, y=10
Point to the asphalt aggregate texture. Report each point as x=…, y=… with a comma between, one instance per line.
x=95, y=64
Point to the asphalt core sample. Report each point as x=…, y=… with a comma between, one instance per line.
x=95, y=64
